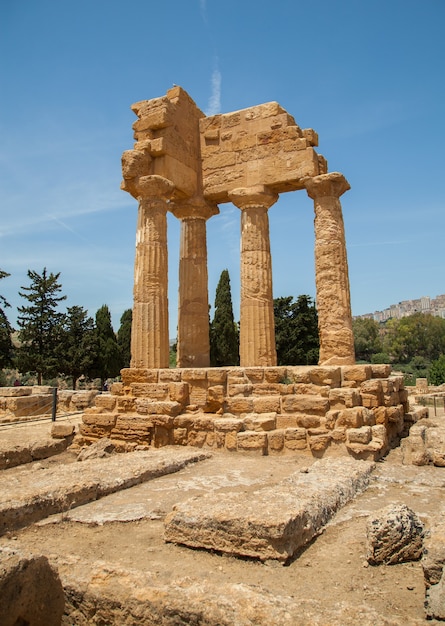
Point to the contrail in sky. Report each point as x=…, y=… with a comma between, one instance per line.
x=215, y=99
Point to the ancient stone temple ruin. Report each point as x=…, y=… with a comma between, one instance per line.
x=189, y=164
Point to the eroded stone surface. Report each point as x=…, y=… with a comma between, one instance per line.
x=30, y=591
x=395, y=535
x=273, y=523
x=30, y=495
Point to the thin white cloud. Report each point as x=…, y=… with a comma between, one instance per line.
x=203, y=7
x=214, y=106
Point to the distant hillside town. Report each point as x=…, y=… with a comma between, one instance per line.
x=434, y=306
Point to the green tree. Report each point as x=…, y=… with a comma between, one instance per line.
x=108, y=358
x=367, y=341
x=436, y=375
x=296, y=331
x=419, y=335
x=77, y=348
x=40, y=325
x=224, y=334
x=124, y=337
x=6, y=347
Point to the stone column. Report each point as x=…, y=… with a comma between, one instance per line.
x=149, y=334
x=331, y=270
x=193, y=305
x=257, y=326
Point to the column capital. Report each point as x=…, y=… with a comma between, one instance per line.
x=253, y=197
x=195, y=207
x=333, y=184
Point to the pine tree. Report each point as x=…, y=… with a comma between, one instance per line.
x=124, y=337
x=224, y=334
x=108, y=360
x=6, y=347
x=78, y=344
x=296, y=331
x=40, y=325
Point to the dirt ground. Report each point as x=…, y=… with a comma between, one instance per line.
x=332, y=569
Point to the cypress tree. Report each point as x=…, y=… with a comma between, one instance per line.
x=224, y=334
x=40, y=325
x=124, y=337
x=296, y=331
x=109, y=360
x=6, y=347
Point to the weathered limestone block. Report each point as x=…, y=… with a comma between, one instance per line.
x=15, y=392
x=98, y=450
x=29, y=405
x=128, y=404
x=356, y=374
x=238, y=406
x=105, y=401
x=82, y=399
x=267, y=389
x=31, y=591
x=309, y=404
x=308, y=421
x=250, y=526
x=381, y=371
x=145, y=406
x=354, y=418
x=133, y=428
x=117, y=389
x=215, y=398
x=267, y=404
x=325, y=375
x=395, y=535
x=243, y=389
x=229, y=424
x=196, y=438
x=311, y=389
x=255, y=374
x=285, y=420
x=179, y=392
x=319, y=440
x=433, y=558
x=372, y=393
x=275, y=374
x=173, y=375
x=62, y=430
x=275, y=440
x=216, y=376
x=264, y=422
x=102, y=420
x=425, y=444
x=435, y=601
x=251, y=441
x=295, y=438
x=139, y=375
x=344, y=398
x=361, y=435
x=154, y=391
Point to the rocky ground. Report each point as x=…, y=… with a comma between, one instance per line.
x=115, y=546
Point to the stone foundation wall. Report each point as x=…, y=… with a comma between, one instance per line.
x=358, y=409
x=33, y=401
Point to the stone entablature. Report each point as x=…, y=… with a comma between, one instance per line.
x=358, y=410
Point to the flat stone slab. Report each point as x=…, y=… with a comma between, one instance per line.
x=112, y=592
x=28, y=495
x=272, y=522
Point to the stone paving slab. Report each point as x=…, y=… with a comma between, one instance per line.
x=28, y=494
x=113, y=592
x=272, y=522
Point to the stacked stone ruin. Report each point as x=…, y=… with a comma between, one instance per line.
x=188, y=163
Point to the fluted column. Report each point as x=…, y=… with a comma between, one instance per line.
x=149, y=334
x=257, y=326
x=193, y=303
x=331, y=270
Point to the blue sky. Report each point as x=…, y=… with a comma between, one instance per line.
x=367, y=76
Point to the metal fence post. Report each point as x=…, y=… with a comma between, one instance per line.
x=54, y=411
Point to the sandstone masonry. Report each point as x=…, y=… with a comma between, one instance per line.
x=358, y=410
